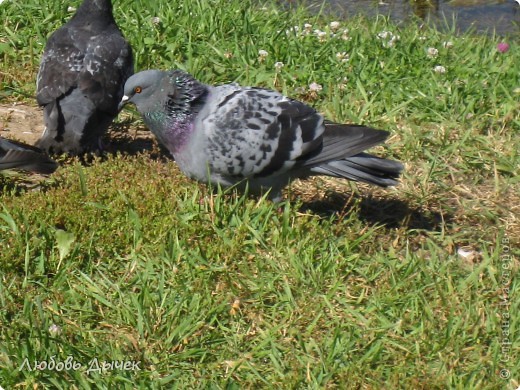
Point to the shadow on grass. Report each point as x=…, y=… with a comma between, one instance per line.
x=127, y=138
x=390, y=213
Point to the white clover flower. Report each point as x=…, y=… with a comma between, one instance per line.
x=322, y=35
x=344, y=35
x=432, y=52
x=54, y=330
x=384, y=34
x=439, y=69
x=307, y=29
x=315, y=87
x=334, y=26
x=447, y=44
x=390, y=36
x=391, y=42
x=156, y=20
x=343, y=56
x=262, y=54
x=278, y=66
x=343, y=83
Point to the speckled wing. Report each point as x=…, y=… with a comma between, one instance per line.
x=98, y=67
x=60, y=66
x=254, y=132
x=107, y=64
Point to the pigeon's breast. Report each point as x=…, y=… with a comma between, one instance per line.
x=191, y=153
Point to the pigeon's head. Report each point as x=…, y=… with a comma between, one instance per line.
x=141, y=89
x=152, y=89
x=95, y=10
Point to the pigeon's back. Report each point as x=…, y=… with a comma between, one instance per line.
x=81, y=78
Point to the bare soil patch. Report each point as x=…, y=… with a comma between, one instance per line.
x=21, y=122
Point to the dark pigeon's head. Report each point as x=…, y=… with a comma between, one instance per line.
x=143, y=88
x=95, y=8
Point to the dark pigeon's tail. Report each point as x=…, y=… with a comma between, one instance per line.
x=16, y=155
x=342, y=156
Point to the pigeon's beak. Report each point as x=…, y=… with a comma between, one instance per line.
x=122, y=103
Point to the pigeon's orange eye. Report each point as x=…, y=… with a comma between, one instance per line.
x=138, y=89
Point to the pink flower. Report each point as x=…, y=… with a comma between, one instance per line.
x=502, y=47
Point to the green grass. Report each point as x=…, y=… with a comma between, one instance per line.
x=340, y=286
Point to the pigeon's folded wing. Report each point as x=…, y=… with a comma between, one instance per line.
x=59, y=68
x=106, y=64
x=254, y=132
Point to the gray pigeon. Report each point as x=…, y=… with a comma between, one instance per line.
x=15, y=155
x=80, y=82
x=231, y=134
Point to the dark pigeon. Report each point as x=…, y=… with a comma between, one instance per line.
x=16, y=155
x=80, y=82
x=235, y=135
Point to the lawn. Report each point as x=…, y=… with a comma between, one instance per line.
x=119, y=272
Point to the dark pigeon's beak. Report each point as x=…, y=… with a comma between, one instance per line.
x=122, y=103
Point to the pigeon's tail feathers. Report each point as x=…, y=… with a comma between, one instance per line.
x=365, y=168
x=341, y=141
x=28, y=160
x=341, y=155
